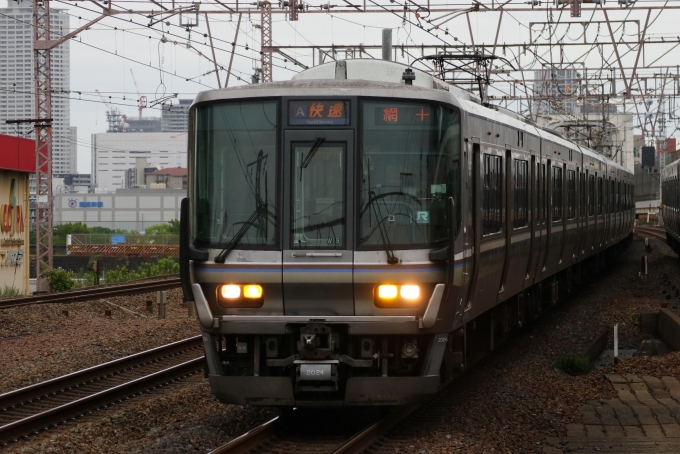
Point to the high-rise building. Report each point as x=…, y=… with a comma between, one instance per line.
x=554, y=89
x=17, y=100
x=176, y=118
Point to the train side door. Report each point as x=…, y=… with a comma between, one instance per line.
x=533, y=222
x=476, y=210
x=318, y=223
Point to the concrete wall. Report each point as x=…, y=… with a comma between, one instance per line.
x=14, y=232
x=669, y=328
x=128, y=209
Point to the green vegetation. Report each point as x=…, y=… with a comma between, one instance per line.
x=171, y=227
x=573, y=364
x=8, y=291
x=59, y=279
x=123, y=274
x=60, y=231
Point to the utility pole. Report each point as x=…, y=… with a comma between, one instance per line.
x=42, y=45
x=266, y=41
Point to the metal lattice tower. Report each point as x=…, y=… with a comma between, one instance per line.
x=43, y=133
x=266, y=42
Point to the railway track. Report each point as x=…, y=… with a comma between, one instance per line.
x=307, y=430
x=93, y=293
x=47, y=404
x=655, y=232
x=353, y=430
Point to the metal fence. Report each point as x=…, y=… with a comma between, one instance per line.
x=123, y=238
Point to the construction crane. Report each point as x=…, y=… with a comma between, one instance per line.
x=142, y=99
x=113, y=116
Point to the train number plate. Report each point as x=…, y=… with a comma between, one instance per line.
x=321, y=372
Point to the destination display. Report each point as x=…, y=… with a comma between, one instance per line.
x=402, y=114
x=318, y=113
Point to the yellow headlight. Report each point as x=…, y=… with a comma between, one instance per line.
x=252, y=291
x=410, y=292
x=230, y=291
x=387, y=291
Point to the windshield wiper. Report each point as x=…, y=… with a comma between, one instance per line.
x=241, y=232
x=391, y=258
x=312, y=152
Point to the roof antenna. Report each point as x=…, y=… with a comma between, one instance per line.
x=408, y=76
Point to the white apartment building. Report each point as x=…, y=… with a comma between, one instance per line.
x=17, y=81
x=114, y=153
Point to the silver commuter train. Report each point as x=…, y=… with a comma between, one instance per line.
x=670, y=204
x=358, y=234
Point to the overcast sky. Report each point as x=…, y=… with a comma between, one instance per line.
x=102, y=57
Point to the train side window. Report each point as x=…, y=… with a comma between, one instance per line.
x=521, y=195
x=492, y=197
x=520, y=139
x=541, y=194
x=600, y=195
x=591, y=195
x=556, y=194
x=582, y=195
x=571, y=194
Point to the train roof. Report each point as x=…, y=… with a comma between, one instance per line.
x=363, y=77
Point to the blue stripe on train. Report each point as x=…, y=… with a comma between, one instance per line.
x=319, y=270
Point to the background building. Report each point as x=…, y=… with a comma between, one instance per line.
x=128, y=209
x=16, y=73
x=171, y=178
x=113, y=154
x=176, y=118
x=17, y=160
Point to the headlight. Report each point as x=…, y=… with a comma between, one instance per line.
x=240, y=295
x=393, y=296
x=410, y=292
x=230, y=292
x=387, y=292
x=252, y=291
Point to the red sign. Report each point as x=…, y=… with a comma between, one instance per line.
x=17, y=153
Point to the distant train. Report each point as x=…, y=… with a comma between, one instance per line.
x=670, y=204
x=358, y=234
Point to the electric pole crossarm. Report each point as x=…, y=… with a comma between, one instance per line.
x=48, y=44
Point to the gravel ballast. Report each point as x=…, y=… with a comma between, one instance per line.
x=509, y=403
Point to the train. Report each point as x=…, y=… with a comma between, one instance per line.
x=361, y=233
x=670, y=205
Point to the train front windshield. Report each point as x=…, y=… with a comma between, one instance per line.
x=406, y=164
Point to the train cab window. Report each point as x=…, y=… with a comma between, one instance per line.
x=492, y=195
x=409, y=166
x=571, y=194
x=521, y=194
x=591, y=195
x=319, y=194
x=233, y=151
x=600, y=195
x=556, y=194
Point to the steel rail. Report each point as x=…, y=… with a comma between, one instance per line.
x=354, y=444
x=40, y=393
x=659, y=234
x=93, y=293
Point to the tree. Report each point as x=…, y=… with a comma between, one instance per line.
x=171, y=227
